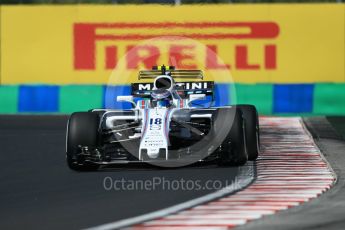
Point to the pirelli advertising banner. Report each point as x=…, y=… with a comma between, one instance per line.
x=233, y=43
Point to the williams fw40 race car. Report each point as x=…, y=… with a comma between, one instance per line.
x=165, y=127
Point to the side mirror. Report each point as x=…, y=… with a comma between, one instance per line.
x=194, y=97
x=126, y=99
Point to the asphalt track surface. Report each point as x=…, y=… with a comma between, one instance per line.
x=38, y=191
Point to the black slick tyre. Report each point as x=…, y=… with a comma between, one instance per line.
x=232, y=150
x=252, y=132
x=82, y=130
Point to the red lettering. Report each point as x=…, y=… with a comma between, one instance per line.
x=110, y=57
x=211, y=58
x=179, y=57
x=242, y=59
x=270, y=57
x=86, y=35
x=135, y=56
x=84, y=46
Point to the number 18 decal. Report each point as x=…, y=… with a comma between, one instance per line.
x=155, y=124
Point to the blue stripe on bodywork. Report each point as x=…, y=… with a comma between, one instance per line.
x=38, y=98
x=293, y=98
x=221, y=97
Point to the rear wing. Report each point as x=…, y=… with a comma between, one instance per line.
x=182, y=88
x=181, y=74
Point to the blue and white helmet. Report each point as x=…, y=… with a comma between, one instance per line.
x=160, y=94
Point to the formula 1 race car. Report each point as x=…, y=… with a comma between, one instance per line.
x=164, y=127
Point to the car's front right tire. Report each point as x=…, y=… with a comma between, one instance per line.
x=82, y=131
x=252, y=132
x=233, y=147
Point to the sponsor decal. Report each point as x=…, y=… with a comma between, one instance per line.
x=237, y=44
x=180, y=85
x=91, y=39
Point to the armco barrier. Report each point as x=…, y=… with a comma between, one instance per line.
x=285, y=58
x=269, y=98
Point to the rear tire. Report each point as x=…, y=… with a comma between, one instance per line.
x=251, y=119
x=82, y=130
x=233, y=149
